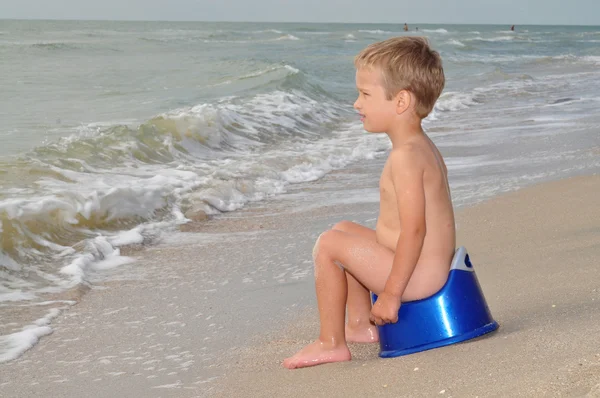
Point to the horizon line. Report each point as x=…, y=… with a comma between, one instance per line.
x=287, y=22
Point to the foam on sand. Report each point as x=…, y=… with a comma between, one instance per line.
x=14, y=345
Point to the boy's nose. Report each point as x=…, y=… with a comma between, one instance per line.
x=356, y=105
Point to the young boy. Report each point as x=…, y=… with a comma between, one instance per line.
x=407, y=257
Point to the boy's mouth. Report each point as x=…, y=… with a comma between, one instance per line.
x=362, y=117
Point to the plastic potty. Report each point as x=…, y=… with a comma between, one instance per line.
x=456, y=313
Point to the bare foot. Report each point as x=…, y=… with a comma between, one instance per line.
x=318, y=353
x=362, y=334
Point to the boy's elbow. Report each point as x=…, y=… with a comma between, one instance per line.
x=415, y=233
x=420, y=232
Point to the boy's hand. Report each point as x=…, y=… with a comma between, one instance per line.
x=385, y=309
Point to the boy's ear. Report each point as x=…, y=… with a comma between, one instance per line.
x=403, y=101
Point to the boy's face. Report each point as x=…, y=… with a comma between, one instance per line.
x=376, y=112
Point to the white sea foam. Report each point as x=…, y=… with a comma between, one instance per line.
x=591, y=58
x=112, y=262
x=288, y=37
x=14, y=345
x=268, y=31
x=7, y=262
x=133, y=236
x=454, y=101
x=493, y=39
x=456, y=43
x=16, y=295
x=442, y=31
x=272, y=73
x=376, y=31
x=314, y=33
x=465, y=163
x=101, y=255
x=270, y=69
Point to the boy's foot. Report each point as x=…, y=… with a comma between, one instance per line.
x=362, y=334
x=317, y=353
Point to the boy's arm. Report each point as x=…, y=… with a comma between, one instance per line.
x=407, y=176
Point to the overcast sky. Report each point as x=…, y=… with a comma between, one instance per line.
x=570, y=12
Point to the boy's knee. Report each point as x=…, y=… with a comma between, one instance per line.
x=343, y=226
x=325, y=242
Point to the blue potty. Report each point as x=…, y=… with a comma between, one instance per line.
x=456, y=313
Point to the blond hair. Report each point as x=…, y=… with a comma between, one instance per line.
x=407, y=63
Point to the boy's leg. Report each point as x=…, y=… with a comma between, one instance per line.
x=368, y=262
x=359, y=328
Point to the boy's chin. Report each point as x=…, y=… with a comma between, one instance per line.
x=373, y=130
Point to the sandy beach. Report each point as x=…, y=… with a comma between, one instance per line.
x=536, y=253
x=215, y=313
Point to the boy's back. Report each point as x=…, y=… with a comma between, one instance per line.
x=440, y=240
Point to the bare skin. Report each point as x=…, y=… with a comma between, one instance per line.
x=358, y=304
x=407, y=257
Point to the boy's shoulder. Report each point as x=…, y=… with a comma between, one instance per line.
x=409, y=155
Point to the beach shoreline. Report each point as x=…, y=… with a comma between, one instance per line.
x=197, y=320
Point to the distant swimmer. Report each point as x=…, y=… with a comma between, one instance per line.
x=512, y=28
x=405, y=27
x=417, y=28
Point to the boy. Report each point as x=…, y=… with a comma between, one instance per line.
x=407, y=257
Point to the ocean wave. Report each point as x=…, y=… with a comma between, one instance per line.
x=499, y=84
x=522, y=58
x=493, y=39
x=79, y=225
x=288, y=37
x=313, y=32
x=275, y=72
x=457, y=43
x=376, y=31
x=268, y=31
x=442, y=31
x=595, y=59
x=567, y=58
x=252, y=40
x=67, y=207
x=454, y=101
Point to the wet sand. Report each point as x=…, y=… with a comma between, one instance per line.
x=216, y=311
